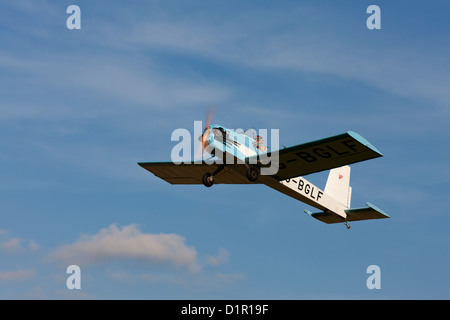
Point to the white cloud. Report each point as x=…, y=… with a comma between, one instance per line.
x=128, y=243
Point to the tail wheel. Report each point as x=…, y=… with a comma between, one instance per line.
x=208, y=180
x=252, y=174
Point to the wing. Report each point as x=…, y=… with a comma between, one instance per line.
x=323, y=154
x=192, y=173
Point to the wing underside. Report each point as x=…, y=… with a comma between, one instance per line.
x=192, y=173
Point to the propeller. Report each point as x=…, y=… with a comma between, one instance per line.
x=209, y=116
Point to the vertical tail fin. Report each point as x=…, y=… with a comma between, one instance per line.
x=338, y=185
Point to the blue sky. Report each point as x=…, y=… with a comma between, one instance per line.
x=79, y=109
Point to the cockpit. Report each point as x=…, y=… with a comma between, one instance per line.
x=219, y=133
x=259, y=140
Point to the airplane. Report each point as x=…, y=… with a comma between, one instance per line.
x=240, y=162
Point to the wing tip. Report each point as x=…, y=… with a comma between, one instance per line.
x=364, y=141
x=370, y=205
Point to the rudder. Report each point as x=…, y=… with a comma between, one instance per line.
x=338, y=185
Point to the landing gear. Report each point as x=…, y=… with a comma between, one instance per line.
x=252, y=174
x=208, y=180
x=347, y=224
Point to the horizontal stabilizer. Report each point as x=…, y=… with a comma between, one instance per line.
x=368, y=213
x=371, y=212
x=327, y=217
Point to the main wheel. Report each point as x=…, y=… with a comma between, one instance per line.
x=252, y=174
x=208, y=179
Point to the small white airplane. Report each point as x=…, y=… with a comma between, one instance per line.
x=333, y=153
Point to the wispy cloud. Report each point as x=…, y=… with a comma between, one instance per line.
x=265, y=43
x=114, y=86
x=16, y=245
x=220, y=258
x=231, y=277
x=16, y=275
x=11, y=245
x=128, y=277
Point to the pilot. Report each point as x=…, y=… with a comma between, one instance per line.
x=260, y=144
